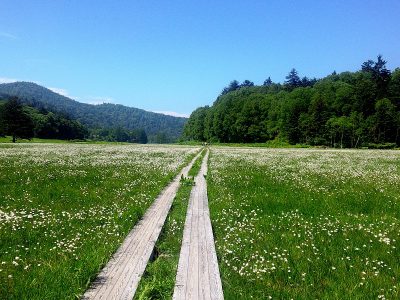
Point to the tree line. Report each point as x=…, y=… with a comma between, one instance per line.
x=25, y=122
x=119, y=134
x=158, y=127
x=351, y=109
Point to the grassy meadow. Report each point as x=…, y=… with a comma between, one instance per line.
x=65, y=208
x=288, y=223
x=306, y=223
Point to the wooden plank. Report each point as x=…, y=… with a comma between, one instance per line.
x=183, y=266
x=191, y=290
x=120, y=277
x=127, y=261
x=198, y=275
x=215, y=278
x=204, y=284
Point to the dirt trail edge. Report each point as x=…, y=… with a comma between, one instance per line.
x=120, y=277
x=198, y=274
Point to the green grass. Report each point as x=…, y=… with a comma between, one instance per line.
x=268, y=144
x=276, y=143
x=288, y=223
x=311, y=224
x=159, y=278
x=8, y=139
x=190, y=143
x=65, y=208
x=194, y=170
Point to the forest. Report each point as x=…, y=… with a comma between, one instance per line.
x=25, y=122
x=113, y=118
x=350, y=109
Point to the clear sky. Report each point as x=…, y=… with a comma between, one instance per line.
x=178, y=55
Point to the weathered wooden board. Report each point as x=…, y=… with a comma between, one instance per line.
x=198, y=274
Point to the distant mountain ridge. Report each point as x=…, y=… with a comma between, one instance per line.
x=102, y=115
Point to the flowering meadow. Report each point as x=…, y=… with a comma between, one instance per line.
x=306, y=223
x=65, y=208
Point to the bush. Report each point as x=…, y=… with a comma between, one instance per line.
x=382, y=146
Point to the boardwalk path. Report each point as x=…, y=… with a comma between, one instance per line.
x=120, y=277
x=198, y=274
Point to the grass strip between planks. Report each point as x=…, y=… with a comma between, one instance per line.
x=159, y=278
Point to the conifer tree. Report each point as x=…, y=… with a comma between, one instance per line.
x=17, y=123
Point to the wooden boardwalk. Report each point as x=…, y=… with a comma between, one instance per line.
x=198, y=274
x=120, y=277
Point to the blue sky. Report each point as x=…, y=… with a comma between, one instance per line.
x=178, y=55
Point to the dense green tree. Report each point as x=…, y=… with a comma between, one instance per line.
x=380, y=74
x=339, y=128
x=56, y=126
x=359, y=129
x=394, y=86
x=305, y=81
x=292, y=80
x=291, y=125
x=295, y=104
x=267, y=82
x=365, y=93
x=386, y=125
x=249, y=126
x=319, y=114
x=161, y=138
x=17, y=122
x=195, y=127
x=247, y=83
x=120, y=135
x=233, y=86
x=142, y=136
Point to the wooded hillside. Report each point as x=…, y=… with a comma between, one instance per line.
x=350, y=109
x=158, y=127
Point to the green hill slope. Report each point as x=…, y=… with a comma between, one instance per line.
x=96, y=116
